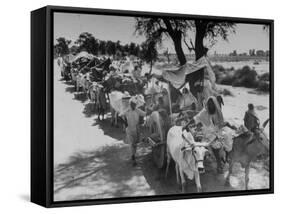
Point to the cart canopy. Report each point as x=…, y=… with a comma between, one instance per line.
x=83, y=54
x=177, y=77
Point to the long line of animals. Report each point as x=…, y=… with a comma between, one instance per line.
x=114, y=81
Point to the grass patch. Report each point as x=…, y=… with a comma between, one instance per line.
x=263, y=86
x=264, y=77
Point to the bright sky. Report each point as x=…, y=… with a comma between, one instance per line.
x=68, y=25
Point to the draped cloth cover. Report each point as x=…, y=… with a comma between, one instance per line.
x=177, y=77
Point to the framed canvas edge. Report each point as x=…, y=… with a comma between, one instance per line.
x=38, y=141
x=100, y=11
x=49, y=116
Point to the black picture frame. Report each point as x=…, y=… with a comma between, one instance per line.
x=42, y=106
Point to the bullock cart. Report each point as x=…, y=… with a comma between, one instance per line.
x=176, y=79
x=158, y=144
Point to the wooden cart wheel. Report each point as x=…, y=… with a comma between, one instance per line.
x=159, y=155
x=158, y=148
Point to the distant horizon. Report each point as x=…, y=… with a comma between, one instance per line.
x=114, y=28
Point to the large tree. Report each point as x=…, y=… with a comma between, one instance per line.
x=87, y=42
x=209, y=31
x=179, y=29
x=206, y=34
x=61, y=47
x=111, y=47
x=149, y=52
x=155, y=28
x=102, y=47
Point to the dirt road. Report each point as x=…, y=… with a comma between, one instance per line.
x=92, y=161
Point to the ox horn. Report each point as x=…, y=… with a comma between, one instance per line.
x=265, y=123
x=188, y=141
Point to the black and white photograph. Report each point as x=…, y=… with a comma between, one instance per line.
x=159, y=106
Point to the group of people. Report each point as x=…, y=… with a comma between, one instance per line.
x=209, y=120
x=207, y=106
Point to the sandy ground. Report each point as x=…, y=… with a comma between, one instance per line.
x=91, y=159
x=235, y=106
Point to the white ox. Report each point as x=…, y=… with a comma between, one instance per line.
x=83, y=81
x=119, y=104
x=187, y=154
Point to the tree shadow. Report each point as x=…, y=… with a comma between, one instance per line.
x=105, y=173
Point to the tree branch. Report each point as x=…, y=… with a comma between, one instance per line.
x=190, y=47
x=169, y=27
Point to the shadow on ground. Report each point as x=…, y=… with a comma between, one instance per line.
x=89, y=110
x=80, y=95
x=70, y=89
x=104, y=173
x=108, y=173
x=109, y=130
x=210, y=180
x=25, y=197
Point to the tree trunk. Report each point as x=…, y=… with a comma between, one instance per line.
x=178, y=48
x=200, y=51
x=176, y=37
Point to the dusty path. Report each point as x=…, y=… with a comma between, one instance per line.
x=91, y=159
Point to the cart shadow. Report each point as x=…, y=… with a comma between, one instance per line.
x=109, y=130
x=210, y=180
x=70, y=89
x=70, y=86
x=80, y=96
x=89, y=110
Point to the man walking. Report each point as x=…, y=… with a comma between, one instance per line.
x=133, y=130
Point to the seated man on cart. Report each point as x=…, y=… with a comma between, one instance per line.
x=214, y=128
x=187, y=101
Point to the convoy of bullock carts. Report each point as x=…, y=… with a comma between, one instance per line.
x=181, y=120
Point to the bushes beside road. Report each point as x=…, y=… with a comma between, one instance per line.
x=244, y=77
